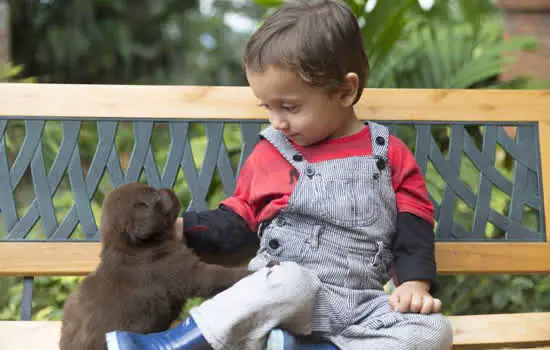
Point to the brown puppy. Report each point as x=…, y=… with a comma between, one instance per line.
x=145, y=274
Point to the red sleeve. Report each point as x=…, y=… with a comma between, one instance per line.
x=262, y=185
x=240, y=201
x=408, y=182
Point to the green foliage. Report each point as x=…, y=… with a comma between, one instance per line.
x=10, y=298
x=122, y=41
x=452, y=56
x=456, y=44
x=487, y=294
x=50, y=294
x=11, y=73
x=213, y=55
x=97, y=41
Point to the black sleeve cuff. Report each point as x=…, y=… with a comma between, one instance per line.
x=414, y=251
x=217, y=231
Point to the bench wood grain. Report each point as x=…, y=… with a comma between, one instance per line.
x=225, y=102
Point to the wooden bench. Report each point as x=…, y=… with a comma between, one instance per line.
x=510, y=122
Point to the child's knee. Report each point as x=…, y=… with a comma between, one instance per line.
x=433, y=332
x=296, y=281
x=442, y=329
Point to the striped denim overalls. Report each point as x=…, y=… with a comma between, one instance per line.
x=338, y=224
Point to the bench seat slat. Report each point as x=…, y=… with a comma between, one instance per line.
x=530, y=330
x=501, y=330
x=30, y=335
x=80, y=258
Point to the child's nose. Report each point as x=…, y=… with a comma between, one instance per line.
x=277, y=122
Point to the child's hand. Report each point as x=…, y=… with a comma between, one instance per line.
x=413, y=296
x=178, y=228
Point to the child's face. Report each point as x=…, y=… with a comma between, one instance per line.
x=305, y=114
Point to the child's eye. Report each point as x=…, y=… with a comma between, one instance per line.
x=263, y=105
x=290, y=109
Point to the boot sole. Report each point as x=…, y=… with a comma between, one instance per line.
x=276, y=341
x=112, y=341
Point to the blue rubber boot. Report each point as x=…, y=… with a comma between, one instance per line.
x=185, y=336
x=279, y=339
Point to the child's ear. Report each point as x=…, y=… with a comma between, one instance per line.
x=348, y=89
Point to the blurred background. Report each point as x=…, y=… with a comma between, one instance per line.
x=461, y=44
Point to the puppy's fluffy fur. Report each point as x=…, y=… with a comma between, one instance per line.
x=145, y=274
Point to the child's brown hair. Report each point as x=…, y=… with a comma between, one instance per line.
x=320, y=40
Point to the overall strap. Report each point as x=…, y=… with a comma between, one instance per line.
x=283, y=145
x=380, y=139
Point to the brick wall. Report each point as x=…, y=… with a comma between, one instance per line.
x=4, y=31
x=529, y=17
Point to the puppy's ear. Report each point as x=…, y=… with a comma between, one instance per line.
x=169, y=202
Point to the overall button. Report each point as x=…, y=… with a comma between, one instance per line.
x=375, y=176
x=297, y=157
x=310, y=172
x=381, y=164
x=274, y=244
x=280, y=222
x=380, y=140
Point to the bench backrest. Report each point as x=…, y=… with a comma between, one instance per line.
x=485, y=154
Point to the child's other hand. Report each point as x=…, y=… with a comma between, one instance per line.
x=178, y=228
x=413, y=296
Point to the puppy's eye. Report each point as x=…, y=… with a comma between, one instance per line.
x=140, y=205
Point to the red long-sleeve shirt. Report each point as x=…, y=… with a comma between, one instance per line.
x=267, y=179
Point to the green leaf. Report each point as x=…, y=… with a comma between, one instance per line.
x=500, y=299
x=515, y=295
x=523, y=282
x=269, y=3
